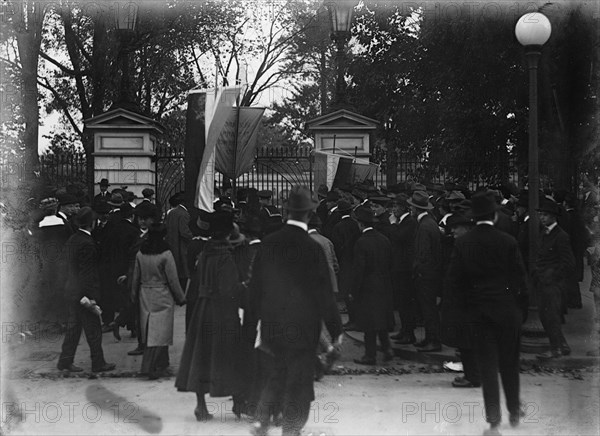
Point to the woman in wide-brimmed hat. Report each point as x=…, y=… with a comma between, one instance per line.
x=209, y=362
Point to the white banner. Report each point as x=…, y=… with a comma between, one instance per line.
x=217, y=111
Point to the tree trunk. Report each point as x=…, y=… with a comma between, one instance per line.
x=28, y=22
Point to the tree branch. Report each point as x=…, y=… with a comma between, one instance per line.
x=63, y=104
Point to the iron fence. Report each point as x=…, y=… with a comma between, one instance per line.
x=63, y=169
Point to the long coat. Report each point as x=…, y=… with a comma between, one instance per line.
x=293, y=291
x=155, y=281
x=372, y=282
x=344, y=236
x=427, y=262
x=178, y=237
x=209, y=362
x=402, y=238
x=486, y=279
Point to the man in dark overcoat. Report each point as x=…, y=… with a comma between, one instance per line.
x=102, y=197
x=179, y=236
x=344, y=236
x=554, y=265
x=82, y=281
x=372, y=286
x=580, y=240
x=487, y=275
x=403, y=240
x=292, y=305
x=270, y=217
x=427, y=269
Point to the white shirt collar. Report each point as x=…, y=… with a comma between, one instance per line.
x=504, y=201
x=445, y=218
x=312, y=231
x=345, y=216
x=300, y=224
x=551, y=226
x=485, y=222
x=254, y=241
x=184, y=208
x=86, y=231
x=403, y=216
x=367, y=229
x=526, y=219
x=421, y=215
x=62, y=214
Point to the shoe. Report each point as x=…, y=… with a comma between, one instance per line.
x=202, y=416
x=258, y=429
x=549, y=355
x=70, y=368
x=459, y=378
x=492, y=431
x=105, y=367
x=330, y=358
x=464, y=383
x=137, y=352
x=431, y=347
x=405, y=339
x=365, y=361
x=422, y=343
x=116, y=333
x=239, y=408
x=565, y=350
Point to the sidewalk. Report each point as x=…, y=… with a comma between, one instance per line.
x=32, y=350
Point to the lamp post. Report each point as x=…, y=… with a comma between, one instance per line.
x=533, y=31
x=125, y=23
x=340, y=14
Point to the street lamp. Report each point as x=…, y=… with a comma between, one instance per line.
x=340, y=13
x=125, y=23
x=533, y=31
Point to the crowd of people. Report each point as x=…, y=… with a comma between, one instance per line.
x=264, y=286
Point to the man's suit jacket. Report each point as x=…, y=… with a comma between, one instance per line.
x=403, y=245
x=555, y=261
x=178, y=237
x=372, y=281
x=82, y=268
x=344, y=236
x=486, y=273
x=291, y=287
x=428, y=249
x=329, y=250
x=100, y=200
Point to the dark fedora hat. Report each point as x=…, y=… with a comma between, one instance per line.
x=549, y=206
x=343, y=206
x=104, y=182
x=265, y=193
x=420, y=200
x=364, y=214
x=85, y=217
x=483, y=203
x=380, y=199
x=300, y=199
x=116, y=200
x=146, y=210
x=459, y=219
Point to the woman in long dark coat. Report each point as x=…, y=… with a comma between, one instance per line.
x=209, y=361
x=155, y=282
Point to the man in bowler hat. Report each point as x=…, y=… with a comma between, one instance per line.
x=102, y=197
x=487, y=277
x=82, y=284
x=294, y=296
x=554, y=264
x=427, y=269
x=372, y=286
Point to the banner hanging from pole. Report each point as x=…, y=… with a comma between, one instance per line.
x=218, y=107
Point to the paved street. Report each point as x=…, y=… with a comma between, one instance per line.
x=419, y=404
